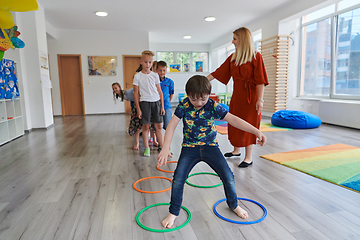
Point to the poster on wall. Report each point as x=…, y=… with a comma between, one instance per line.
x=8, y=79
x=43, y=60
x=102, y=65
x=174, y=67
x=187, y=67
x=199, y=66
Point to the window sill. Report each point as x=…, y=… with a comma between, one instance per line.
x=332, y=100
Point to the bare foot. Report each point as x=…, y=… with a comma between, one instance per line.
x=241, y=212
x=155, y=144
x=169, y=221
x=136, y=146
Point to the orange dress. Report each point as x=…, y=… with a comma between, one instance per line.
x=245, y=95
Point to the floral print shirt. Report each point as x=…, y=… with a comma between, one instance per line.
x=199, y=127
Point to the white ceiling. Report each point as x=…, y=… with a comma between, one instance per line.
x=165, y=20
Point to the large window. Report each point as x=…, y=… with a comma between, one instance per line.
x=348, y=53
x=185, y=61
x=316, y=69
x=330, y=53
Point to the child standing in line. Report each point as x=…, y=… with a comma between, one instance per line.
x=134, y=125
x=167, y=87
x=154, y=67
x=152, y=127
x=199, y=143
x=149, y=100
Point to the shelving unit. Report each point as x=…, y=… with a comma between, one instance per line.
x=11, y=121
x=275, y=52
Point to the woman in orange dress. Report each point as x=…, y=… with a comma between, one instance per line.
x=247, y=69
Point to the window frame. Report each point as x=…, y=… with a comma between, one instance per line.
x=333, y=32
x=190, y=59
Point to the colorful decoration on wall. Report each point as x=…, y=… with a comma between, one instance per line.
x=199, y=66
x=9, y=39
x=8, y=80
x=102, y=65
x=6, y=18
x=174, y=67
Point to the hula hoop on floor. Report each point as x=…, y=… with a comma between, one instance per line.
x=162, y=230
x=143, y=191
x=210, y=173
x=167, y=171
x=240, y=222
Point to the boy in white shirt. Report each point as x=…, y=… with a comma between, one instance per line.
x=149, y=100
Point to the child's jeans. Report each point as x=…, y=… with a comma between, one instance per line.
x=189, y=157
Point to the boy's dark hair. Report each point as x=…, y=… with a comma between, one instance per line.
x=198, y=86
x=161, y=64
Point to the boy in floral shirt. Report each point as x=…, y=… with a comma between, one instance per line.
x=199, y=143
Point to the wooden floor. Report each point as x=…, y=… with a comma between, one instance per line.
x=74, y=181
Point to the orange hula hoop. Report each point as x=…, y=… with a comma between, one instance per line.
x=143, y=191
x=158, y=167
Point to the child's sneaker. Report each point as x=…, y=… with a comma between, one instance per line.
x=159, y=149
x=147, y=152
x=150, y=140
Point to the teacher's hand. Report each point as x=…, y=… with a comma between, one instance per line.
x=259, y=106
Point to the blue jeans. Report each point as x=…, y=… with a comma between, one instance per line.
x=167, y=117
x=189, y=157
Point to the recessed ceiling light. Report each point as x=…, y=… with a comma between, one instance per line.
x=210, y=19
x=186, y=37
x=101, y=14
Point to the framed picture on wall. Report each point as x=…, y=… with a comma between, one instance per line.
x=199, y=66
x=174, y=67
x=102, y=65
x=187, y=67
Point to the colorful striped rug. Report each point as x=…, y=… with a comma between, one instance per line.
x=337, y=163
x=221, y=127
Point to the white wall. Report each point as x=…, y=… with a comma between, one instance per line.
x=180, y=79
x=35, y=100
x=285, y=21
x=98, y=96
x=42, y=47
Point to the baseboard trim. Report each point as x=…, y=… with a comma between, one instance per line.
x=44, y=128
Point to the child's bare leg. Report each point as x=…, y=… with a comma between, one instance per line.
x=145, y=135
x=137, y=137
x=241, y=212
x=153, y=135
x=159, y=133
x=169, y=221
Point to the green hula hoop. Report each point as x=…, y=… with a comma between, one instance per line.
x=210, y=173
x=162, y=230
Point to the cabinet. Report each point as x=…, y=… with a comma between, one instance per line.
x=11, y=120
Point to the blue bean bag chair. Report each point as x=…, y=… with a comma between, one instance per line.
x=295, y=119
x=224, y=106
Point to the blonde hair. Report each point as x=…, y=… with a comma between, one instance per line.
x=245, y=51
x=147, y=52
